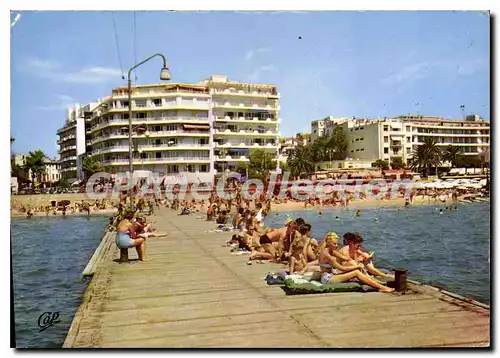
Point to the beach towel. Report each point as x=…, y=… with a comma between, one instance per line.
x=297, y=284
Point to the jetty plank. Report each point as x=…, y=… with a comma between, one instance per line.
x=194, y=293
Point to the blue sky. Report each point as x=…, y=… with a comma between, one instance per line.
x=362, y=64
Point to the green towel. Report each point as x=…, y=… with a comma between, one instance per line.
x=301, y=284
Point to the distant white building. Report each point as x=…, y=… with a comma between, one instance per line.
x=372, y=139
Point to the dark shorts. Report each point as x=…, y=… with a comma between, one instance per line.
x=264, y=239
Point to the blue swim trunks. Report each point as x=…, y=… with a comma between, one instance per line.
x=124, y=241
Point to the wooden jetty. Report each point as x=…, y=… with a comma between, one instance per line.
x=194, y=293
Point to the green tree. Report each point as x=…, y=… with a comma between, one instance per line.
x=15, y=170
x=397, y=163
x=319, y=149
x=337, y=144
x=299, y=161
x=242, y=168
x=451, y=154
x=35, y=161
x=261, y=162
x=63, y=184
x=381, y=164
x=90, y=166
x=426, y=156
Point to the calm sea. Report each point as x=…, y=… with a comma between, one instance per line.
x=450, y=250
x=48, y=256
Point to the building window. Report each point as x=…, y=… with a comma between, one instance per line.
x=173, y=168
x=157, y=102
x=158, y=155
x=158, y=128
x=140, y=103
x=204, y=168
x=408, y=150
x=408, y=128
x=140, y=115
x=362, y=149
x=386, y=150
x=386, y=139
x=386, y=128
x=171, y=128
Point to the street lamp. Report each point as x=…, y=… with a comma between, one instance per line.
x=165, y=76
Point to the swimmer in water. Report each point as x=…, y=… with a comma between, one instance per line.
x=375, y=219
x=336, y=218
x=320, y=213
x=358, y=213
x=440, y=211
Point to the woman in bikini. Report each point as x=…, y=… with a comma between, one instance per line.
x=126, y=236
x=352, y=250
x=333, y=272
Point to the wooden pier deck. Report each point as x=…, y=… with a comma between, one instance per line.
x=194, y=293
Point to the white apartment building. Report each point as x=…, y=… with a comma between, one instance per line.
x=372, y=139
x=52, y=168
x=245, y=116
x=52, y=171
x=472, y=135
x=179, y=127
x=317, y=129
x=71, y=142
x=288, y=144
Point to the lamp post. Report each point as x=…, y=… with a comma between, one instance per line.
x=164, y=75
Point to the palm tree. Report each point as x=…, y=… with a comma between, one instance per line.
x=451, y=154
x=300, y=161
x=425, y=156
x=35, y=162
x=90, y=166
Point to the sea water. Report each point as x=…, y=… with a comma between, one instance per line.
x=449, y=249
x=48, y=257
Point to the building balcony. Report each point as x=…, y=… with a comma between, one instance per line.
x=232, y=158
x=150, y=135
x=165, y=105
x=449, y=134
x=151, y=147
x=150, y=120
x=146, y=161
x=242, y=132
x=238, y=144
x=66, y=159
x=246, y=93
x=242, y=106
x=271, y=121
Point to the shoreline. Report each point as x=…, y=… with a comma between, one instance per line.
x=105, y=212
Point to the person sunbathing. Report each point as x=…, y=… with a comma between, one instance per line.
x=222, y=218
x=126, y=236
x=333, y=272
x=298, y=249
x=265, y=249
x=313, y=265
x=352, y=250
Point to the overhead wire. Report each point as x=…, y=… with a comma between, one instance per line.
x=118, y=45
x=135, y=49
